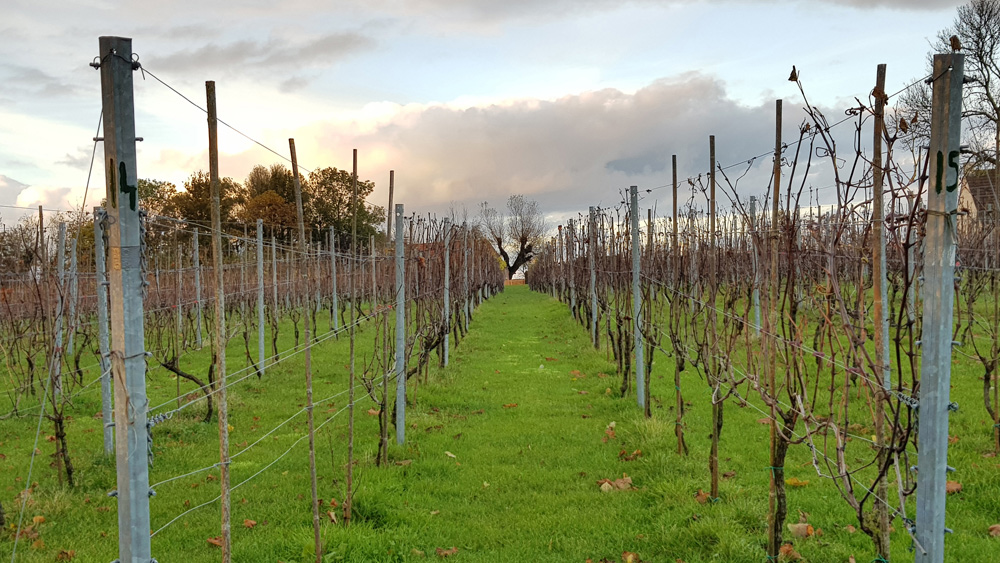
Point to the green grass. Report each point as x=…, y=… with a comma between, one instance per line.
x=521, y=487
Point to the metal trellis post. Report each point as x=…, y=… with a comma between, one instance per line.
x=939, y=302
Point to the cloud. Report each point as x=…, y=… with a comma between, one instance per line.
x=260, y=56
x=567, y=153
x=491, y=12
x=29, y=82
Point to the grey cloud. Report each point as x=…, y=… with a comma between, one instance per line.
x=29, y=81
x=639, y=165
x=489, y=11
x=264, y=55
x=568, y=153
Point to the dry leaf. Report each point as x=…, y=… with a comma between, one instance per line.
x=510, y=405
x=65, y=555
x=249, y=523
x=788, y=553
x=446, y=552
x=216, y=541
x=583, y=392
x=952, y=439
x=332, y=516
x=551, y=360
x=851, y=529
x=796, y=482
x=38, y=544
x=851, y=559
x=451, y=455
x=702, y=497
x=729, y=475
x=630, y=557
x=50, y=438
x=801, y=530
x=624, y=455
x=607, y=487
x=764, y=420
x=995, y=531
x=952, y=487
x=435, y=512
x=374, y=412
x=38, y=520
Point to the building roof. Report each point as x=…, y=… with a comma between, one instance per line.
x=983, y=189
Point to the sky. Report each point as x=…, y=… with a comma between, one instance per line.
x=567, y=102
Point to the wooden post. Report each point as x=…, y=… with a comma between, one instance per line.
x=388, y=213
x=770, y=320
x=447, y=289
x=260, y=298
x=880, y=315
x=197, y=290
x=307, y=353
x=400, y=356
x=712, y=319
x=353, y=325
x=640, y=380
x=220, y=339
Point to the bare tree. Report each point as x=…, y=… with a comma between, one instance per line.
x=521, y=228
x=976, y=33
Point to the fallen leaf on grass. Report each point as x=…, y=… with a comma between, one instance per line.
x=801, y=530
x=50, y=438
x=764, y=420
x=702, y=497
x=851, y=559
x=582, y=392
x=622, y=484
x=609, y=432
x=216, y=541
x=602, y=375
x=510, y=405
x=729, y=475
x=788, y=553
x=65, y=555
x=952, y=487
x=576, y=373
x=796, y=482
x=248, y=523
x=630, y=557
x=435, y=512
x=38, y=520
x=952, y=439
x=851, y=529
x=551, y=360
x=995, y=531
x=374, y=412
x=446, y=552
x=451, y=455
x=624, y=455
x=332, y=516
x=38, y=544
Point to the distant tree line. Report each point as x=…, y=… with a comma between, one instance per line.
x=269, y=194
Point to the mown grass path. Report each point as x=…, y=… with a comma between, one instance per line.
x=504, y=451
